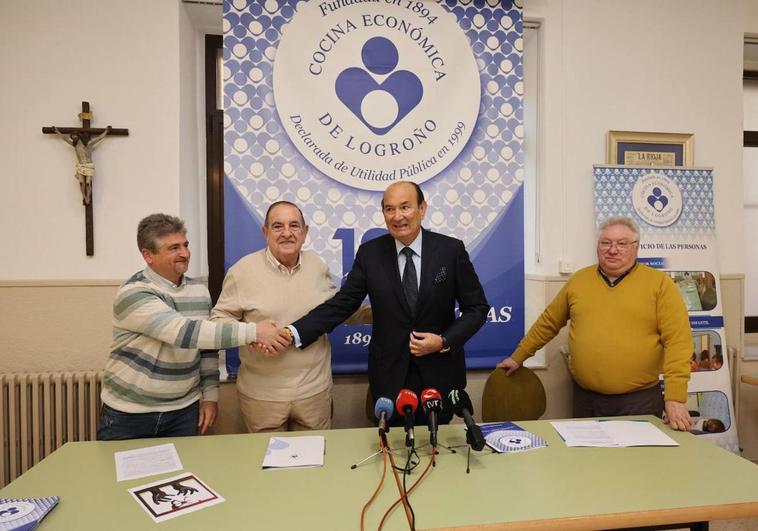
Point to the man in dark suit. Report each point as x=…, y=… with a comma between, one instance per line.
x=417, y=340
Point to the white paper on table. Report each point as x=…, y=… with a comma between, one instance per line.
x=149, y=461
x=294, y=452
x=584, y=433
x=612, y=433
x=637, y=433
x=175, y=496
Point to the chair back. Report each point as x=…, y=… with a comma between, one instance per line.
x=520, y=396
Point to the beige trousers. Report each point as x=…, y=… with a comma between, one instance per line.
x=312, y=413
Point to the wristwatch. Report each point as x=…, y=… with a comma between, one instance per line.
x=445, y=346
x=289, y=333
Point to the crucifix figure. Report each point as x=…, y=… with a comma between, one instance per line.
x=81, y=139
x=85, y=168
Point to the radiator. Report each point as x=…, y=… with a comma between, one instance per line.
x=39, y=412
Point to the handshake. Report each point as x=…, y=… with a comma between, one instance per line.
x=270, y=339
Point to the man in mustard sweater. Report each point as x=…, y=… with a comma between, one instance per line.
x=628, y=325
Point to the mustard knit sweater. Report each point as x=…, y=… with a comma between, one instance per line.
x=620, y=338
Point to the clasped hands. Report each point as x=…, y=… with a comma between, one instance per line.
x=270, y=339
x=423, y=343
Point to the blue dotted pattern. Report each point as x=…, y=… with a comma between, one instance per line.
x=263, y=166
x=613, y=197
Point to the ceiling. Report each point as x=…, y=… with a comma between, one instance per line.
x=205, y=15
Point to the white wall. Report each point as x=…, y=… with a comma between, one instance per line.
x=750, y=171
x=607, y=65
x=191, y=187
x=122, y=57
x=750, y=16
x=673, y=66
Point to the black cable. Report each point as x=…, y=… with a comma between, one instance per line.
x=415, y=463
x=406, y=471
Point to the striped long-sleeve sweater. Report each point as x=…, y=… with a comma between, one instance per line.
x=164, y=354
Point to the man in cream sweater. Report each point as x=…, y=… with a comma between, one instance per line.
x=290, y=389
x=628, y=324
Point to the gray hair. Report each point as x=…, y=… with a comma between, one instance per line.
x=620, y=220
x=152, y=228
x=276, y=204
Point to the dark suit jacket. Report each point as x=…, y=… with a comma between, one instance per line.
x=447, y=276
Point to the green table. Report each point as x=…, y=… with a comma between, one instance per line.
x=549, y=488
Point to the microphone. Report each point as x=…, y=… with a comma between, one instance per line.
x=406, y=405
x=431, y=402
x=462, y=407
x=383, y=412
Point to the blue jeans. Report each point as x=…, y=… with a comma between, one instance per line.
x=116, y=425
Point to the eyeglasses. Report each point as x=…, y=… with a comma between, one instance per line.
x=621, y=245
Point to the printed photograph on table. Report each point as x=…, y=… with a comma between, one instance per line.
x=709, y=411
x=698, y=289
x=637, y=148
x=169, y=498
x=707, y=354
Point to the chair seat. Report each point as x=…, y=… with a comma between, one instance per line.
x=520, y=396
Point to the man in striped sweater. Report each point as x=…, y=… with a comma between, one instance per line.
x=161, y=379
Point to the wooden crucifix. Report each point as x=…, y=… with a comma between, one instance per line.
x=83, y=142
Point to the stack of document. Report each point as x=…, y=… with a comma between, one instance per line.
x=612, y=433
x=294, y=452
x=25, y=514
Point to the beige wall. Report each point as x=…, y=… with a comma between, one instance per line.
x=55, y=326
x=38, y=336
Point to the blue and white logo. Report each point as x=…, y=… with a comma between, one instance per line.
x=657, y=199
x=362, y=94
x=515, y=441
x=365, y=90
x=14, y=510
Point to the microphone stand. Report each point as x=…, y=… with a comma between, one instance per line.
x=436, y=449
x=385, y=448
x=468, y=445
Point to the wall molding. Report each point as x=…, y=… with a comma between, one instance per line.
x=71, y=283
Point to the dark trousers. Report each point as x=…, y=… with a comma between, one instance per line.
x=591, y=404
x=117, y=425
x=415, y=383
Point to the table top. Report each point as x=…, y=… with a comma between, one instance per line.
x=556, y=487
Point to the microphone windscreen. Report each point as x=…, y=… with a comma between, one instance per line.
x=406, y=398
x=431, y=400
x=383, y=405
x=459, y=400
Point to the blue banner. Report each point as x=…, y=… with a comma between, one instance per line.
x=327, y=103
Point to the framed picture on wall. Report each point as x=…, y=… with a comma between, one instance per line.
x=636, y=148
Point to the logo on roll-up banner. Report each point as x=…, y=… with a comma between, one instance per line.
x=385, y=91
x=657, y=199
